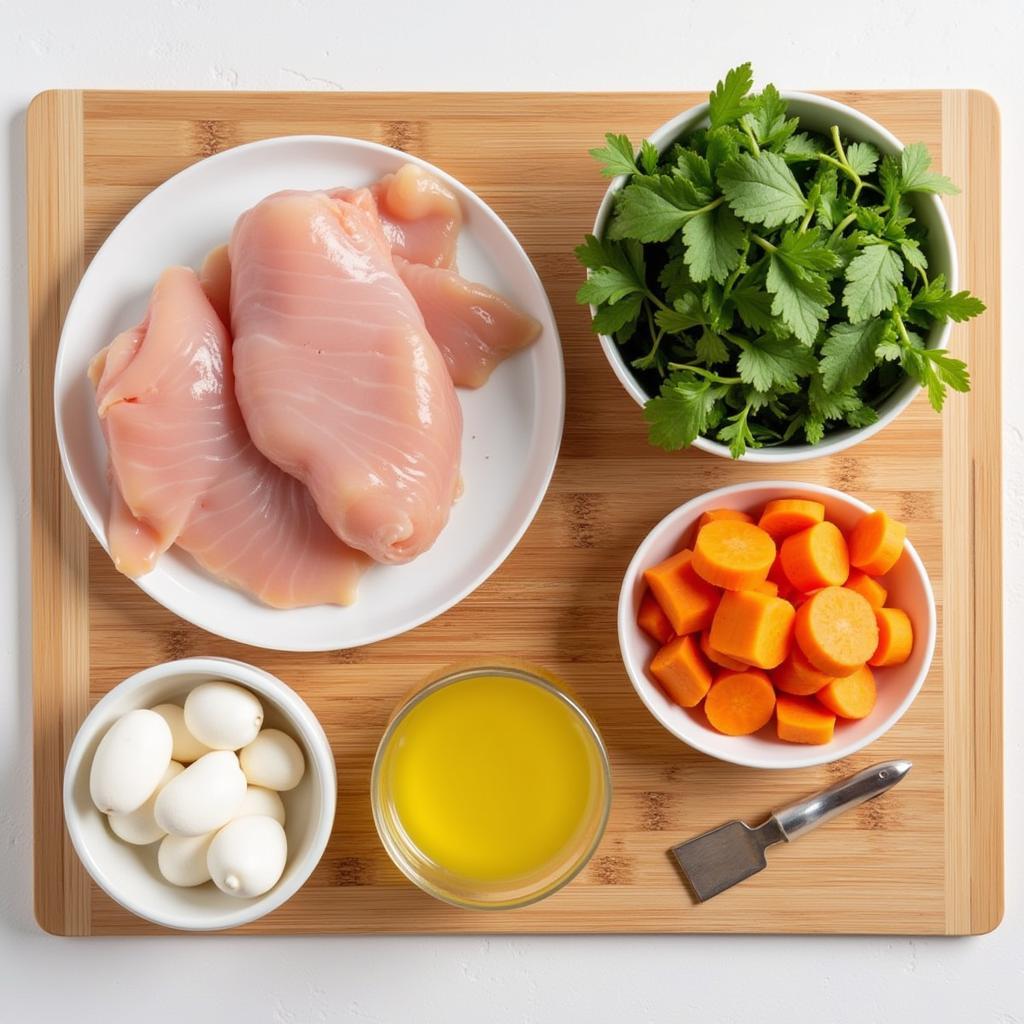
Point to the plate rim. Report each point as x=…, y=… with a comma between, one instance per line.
x=546, y=474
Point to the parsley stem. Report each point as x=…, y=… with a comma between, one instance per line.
x=755, y=148
x=901, y=329
x=807, y=220
x=843, y=225
x=764, y=243
x=707, y=374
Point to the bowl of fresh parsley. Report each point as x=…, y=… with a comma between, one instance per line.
x=773, y=276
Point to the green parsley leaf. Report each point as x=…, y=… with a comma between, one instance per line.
x=613, y=318
x=871, y=280
x=686, y=312
x=653, y=209
x=754, y=307
x=697, y=171
x=806, y=252
x=761, y=189
x=616, y=156
x=912, y=254
x=939, y=302
x=714, y=241
x=770, y=361
x=863, y=416
x=862, y=158
x=915, y=175
x=737, y=434
x=801, y=300
x=711, y=349
x=935, y=369
x=766, y=117
x=607, y=284
x=801, y=147
x=849, y=353
x=649, y=157
x=723, y=145
x=679, y=415
x=727, y=103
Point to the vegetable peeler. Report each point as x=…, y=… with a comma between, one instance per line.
x=719, y=859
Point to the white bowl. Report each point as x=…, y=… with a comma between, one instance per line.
x=512, y=426
x=129, y=874
x=817, y=113
x=909, y=588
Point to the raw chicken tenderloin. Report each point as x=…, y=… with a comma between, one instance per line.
x=339, y=381
x=474, y=327
x=215, y=277
x=184, y=470
x=420, y=214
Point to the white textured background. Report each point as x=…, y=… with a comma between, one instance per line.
x=516, y=44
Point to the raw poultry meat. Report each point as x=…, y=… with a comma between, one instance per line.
x=473, y=326
x=183, y=469
x=215, y=277
x=420, y=214
x=338, y=380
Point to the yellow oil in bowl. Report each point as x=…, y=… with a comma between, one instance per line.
x=491, y=787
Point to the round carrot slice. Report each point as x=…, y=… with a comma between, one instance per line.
x=733, y=554
x=720, y=659
x=895, y=637
x=714, y=514
x=837, y=631
x=876, y=543
x=868, y=587
x=798, y=676
x=853, y=696
x=784, y=516
x=740, y=703
x=803, y=720
x=816, y=557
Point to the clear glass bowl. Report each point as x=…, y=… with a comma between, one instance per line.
x=502, y=893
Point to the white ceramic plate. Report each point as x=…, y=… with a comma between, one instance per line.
x=513, y=424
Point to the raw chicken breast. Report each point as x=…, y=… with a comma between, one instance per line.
x=215, y=277
x=421, y=215
x=474, y=327
x=339, y=381
x=184, y=470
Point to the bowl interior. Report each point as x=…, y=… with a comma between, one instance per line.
x=817, y=114
x=130, y=874
x=908, y=587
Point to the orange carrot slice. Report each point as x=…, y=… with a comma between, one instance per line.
x=895, y=637
x=785, y=516
x=733, y=554
x=836, y=629
x=803, y=720
x=653, y=621
x=720, y=659
x=687, y=600
x=753, y=628
x=852, y=696
x=816, y=557
x=868, y=587
x=876, y=543
x=796, y=675
x=715, y=514
x=769, y=587
x=740, y=703
x=682, y=671
x=778, y=576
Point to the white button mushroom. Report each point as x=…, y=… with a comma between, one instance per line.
x=186, y=747
x=182, y=859
x=206, y=795
x=247, y=856
x=261, y=801
x=273, y=760
x=129, y=762
x=139, y=827
x=222, y=715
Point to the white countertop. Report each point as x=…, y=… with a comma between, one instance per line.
x=458, y=44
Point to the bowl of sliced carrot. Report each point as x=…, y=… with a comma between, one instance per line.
x=776, y=624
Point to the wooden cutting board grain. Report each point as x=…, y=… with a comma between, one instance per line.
x=927, y=858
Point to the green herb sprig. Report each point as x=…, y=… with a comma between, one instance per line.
x=766, y=283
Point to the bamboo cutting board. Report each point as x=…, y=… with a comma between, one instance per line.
x=926, y=858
